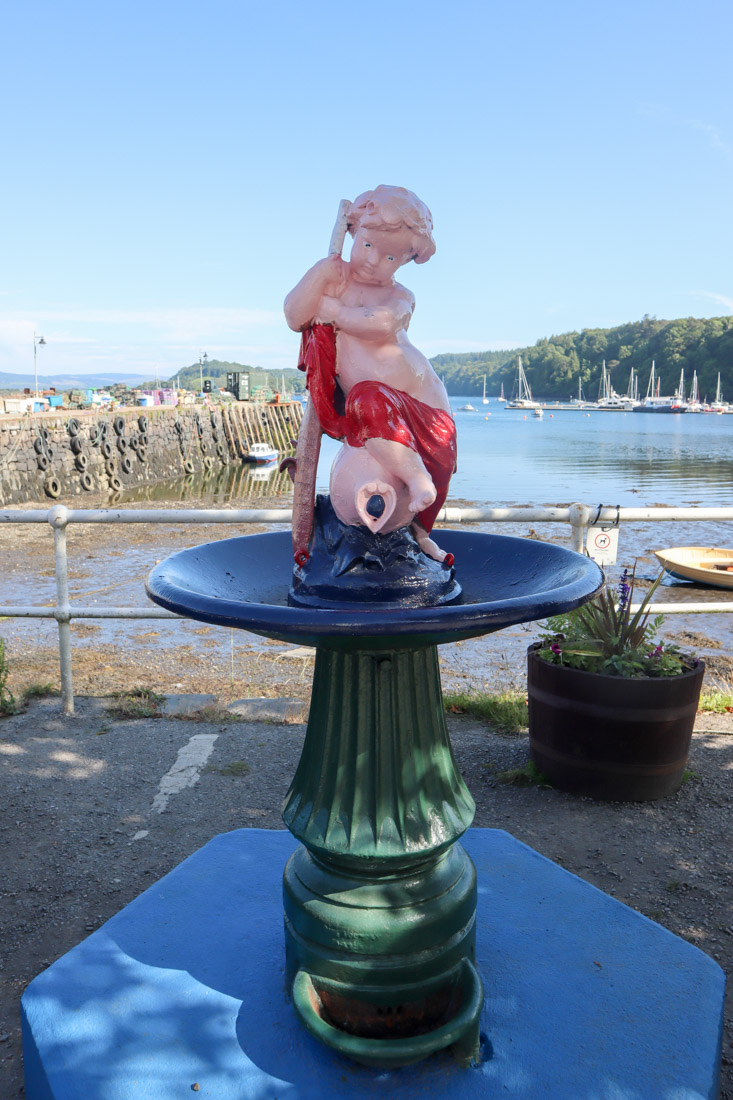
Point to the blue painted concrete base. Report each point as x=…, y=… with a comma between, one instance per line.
x=585, y=998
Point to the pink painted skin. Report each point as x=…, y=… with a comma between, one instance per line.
x=371, y=313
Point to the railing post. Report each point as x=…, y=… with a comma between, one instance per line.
x=579, y=521
x=58, y=518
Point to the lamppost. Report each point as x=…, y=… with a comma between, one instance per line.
x=203, y=361
x=36, y=342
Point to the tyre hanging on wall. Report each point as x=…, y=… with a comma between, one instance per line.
x=107, y=449
x=42, y=462
x=119, y=425
x=126, y=464
x=86, y=481
x=142, y=423
x=121, y=444
x=110, y=468
x=141, y=454
x=73, y=427
x=115, y=484
x=76, y=444
x=81, y=462
x=188, y=466
x=52, y=487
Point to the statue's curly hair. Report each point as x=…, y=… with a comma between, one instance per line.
x=392, y=208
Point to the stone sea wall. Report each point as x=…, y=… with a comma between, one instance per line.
x=66, y=453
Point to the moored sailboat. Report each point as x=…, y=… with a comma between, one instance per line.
x=524, y=399
x=608, y=399
x=653, y=403
x=718, y=405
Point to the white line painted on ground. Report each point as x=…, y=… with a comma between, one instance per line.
x=186, y=770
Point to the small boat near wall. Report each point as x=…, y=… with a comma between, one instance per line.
x=261, y=453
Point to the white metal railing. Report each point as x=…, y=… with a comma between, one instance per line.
x=578, y=516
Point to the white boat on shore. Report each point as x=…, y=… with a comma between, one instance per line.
x=702, y=564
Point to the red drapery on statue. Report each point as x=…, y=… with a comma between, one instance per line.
x=374, y=410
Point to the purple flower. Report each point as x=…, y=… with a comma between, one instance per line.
x=624, y=591
x=556, y=648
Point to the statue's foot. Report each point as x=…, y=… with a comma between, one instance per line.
x=422, y=493
x=375, y=503
x=426, y=544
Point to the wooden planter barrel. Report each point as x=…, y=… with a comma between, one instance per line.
x=610, y=737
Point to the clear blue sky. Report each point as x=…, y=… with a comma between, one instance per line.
x=169, y=170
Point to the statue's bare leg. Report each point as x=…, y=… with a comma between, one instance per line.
x=426, y=544
x=405, y=464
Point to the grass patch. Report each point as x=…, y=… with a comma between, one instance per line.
x=236, y=769
x=212, y=712
x=38, y=690
x=527, y=776
x=8, y=704
x=716, y=702
x=137, y=703
x=689, y=776
x=506, y=712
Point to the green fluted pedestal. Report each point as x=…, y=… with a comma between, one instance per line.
x=380, y=901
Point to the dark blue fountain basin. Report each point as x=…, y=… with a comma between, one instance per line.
x=244, y=582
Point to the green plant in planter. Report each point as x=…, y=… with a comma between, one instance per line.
x=603, y=636
x=611, y=708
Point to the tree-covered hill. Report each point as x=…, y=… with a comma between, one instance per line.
x=554, y=365
x=216, y=371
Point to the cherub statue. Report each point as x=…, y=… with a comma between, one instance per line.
x=368, y=385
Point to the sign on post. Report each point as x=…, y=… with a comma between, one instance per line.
x=601, y=544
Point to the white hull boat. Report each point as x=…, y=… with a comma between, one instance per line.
x=702, y=564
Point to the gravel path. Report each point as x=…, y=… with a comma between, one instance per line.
x=87, y=822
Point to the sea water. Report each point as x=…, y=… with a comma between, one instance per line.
x=506, y=456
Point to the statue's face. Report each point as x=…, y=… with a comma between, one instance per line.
x=377, y=253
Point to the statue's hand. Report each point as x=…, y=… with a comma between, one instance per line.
x=328, y=309
x=332, y=274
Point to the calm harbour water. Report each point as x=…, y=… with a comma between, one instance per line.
x=509, y=457
x=620, y=458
